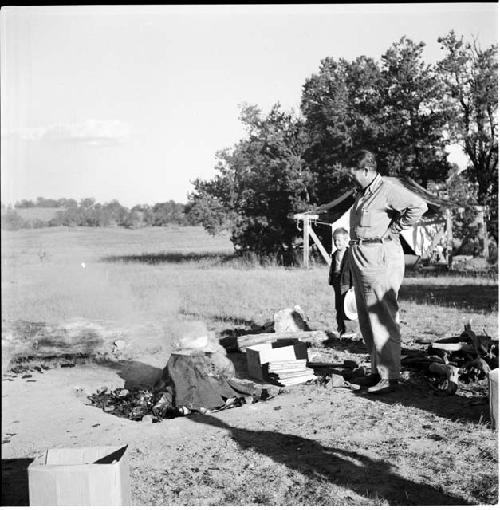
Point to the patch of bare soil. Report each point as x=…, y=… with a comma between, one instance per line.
x=313, y=444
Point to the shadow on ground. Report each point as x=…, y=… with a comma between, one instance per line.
x=170, y=258
x=15, y=488
x=370, y=478
x=346, y=345
x=135, y=374
x=467, y=297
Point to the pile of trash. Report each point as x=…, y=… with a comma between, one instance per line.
x=449, y=362
x=141, y=405
x=198, y=378
x=446, y=365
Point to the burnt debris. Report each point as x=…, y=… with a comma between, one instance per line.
x=139, y=405
x=454, y=361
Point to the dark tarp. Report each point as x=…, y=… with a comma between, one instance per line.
x=199, y=379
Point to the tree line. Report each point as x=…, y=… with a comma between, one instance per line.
x=89, y=213
x=401, y=108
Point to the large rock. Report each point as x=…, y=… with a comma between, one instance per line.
x=290, y=320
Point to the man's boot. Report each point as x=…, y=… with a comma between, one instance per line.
x=366, y=380
x=384, y=386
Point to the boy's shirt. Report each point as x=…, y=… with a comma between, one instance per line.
x=338, y=257
x=339, y=273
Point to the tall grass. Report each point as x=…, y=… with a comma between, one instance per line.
x=163, y=276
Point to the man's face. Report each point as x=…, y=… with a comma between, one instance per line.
x=363, y=176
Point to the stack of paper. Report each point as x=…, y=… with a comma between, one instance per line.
x=290, y=372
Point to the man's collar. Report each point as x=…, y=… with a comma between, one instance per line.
x=376, y=182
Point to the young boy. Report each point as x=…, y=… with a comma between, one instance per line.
x=340, y=275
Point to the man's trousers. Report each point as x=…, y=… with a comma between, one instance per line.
x=378, y=271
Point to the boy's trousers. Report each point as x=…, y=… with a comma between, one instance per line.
x=339, y=304
x=377, y=272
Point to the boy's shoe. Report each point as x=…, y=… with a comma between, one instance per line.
x=384, y=386
x=366, y=380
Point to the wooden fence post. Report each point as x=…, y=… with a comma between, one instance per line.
x=449, y=236
x=307, y=225
x=483, y=233
x=321, y=248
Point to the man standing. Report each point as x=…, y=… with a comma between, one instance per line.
x=381, y=210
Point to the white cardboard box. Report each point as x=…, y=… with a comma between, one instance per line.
x=86, y=476
x=260, y=354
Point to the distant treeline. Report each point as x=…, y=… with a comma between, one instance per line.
x=89, y=213
x=47, y=202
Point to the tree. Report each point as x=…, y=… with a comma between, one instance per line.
x=411, y=120
x=147, y=213
x=24, y=204
x=46, y=202
x=165, y=213
x=134, y=219
x=12, y=220
x=114, y=213
x=87, y=202
x=390, y=107
x=67, y=202
x=338, y=121
x=470, y=76
x=259, y=183
x=206, y=210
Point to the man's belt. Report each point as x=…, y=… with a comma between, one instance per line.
x=369, y=240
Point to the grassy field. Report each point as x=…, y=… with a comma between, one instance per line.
x=312, y=445
x=168, y=274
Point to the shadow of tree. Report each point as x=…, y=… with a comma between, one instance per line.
x=15, y=488
x=170, y=258
x=367, y=477
x=468, y=297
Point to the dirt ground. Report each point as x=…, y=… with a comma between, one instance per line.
x=313, y=444
x=310, y=445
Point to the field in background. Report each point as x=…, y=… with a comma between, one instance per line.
x=170, y=274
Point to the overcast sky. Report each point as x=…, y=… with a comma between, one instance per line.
x=131, y=103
